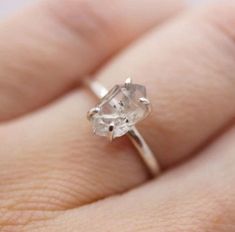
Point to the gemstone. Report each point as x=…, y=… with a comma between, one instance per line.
x=119, y=110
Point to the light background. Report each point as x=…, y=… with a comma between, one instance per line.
x=9, y=6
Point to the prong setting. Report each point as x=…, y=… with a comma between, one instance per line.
x=128, y=82
x=144, y=101
x=92, y=112
x=119, y=110
x=111, y=131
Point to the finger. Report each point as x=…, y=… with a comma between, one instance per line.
x=55, y=163
x=199, y=196
x=67, y=158
x=188, y=69
x=45, y=49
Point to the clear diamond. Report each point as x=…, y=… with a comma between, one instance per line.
x=120, y=109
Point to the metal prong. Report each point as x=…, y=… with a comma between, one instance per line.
x=144, y=100
x=111, y=131
x=128, y=82
x=92, y=112
x=94, y=131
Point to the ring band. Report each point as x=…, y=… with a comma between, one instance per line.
x=147, y=156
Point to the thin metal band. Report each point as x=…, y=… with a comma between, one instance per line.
x=145, y=152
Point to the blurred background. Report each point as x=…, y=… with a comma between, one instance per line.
x=9, y=6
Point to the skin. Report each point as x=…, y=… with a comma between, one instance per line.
x=56, y=176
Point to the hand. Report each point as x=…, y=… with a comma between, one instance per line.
x=55, y=176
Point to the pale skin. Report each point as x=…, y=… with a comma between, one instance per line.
x=56, y=176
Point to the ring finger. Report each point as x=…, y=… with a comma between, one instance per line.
x=49, y=160
x=78, y=168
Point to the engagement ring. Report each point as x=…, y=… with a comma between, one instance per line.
x=117, y=113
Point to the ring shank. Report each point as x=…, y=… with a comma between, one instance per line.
x=145, y=152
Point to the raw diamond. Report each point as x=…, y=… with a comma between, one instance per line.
x=120, y=110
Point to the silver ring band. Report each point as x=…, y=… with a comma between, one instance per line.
x=148, y=157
